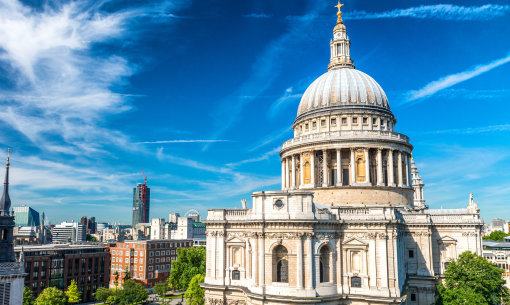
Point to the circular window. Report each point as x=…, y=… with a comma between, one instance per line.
x=278, y=203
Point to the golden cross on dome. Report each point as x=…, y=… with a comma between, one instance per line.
x=339, y=13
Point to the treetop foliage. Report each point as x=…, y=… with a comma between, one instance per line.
x=195, y=294
x=189, y=262
x=471, y=279
x=496, y=236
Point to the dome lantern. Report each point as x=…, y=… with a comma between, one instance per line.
x=340, y=45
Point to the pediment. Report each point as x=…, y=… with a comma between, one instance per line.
x=353, y=242
x=447, y=239
x=234, y=240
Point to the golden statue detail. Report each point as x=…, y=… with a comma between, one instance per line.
x=339, y=13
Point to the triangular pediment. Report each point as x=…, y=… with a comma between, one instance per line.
x=447, y=239
x=235, y=240
x=354, y=241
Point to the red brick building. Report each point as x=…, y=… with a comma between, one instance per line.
x=148, y=261
x=55, y=265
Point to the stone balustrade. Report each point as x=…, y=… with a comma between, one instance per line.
x=227, y=214
x=345, y=135
x=10, y=268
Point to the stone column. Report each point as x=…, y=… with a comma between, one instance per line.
x=352, y=168
x=367, y=165
x=283, y=175
x=301, y=172
x=384, y=257
x=372, y=261
x=338, y=167
x=213, y=251
x=399, y=168
x=325, y=168
x=261, y=260
x=299, y=262
x=254, y=250
x=380, y=179
x=246, y=259
x=408, y=169
x=309, y=265
x=312, y=167
x=287, y=174
x=221, y=255
x=227, y=266
x=293, y=179
x=391, y=173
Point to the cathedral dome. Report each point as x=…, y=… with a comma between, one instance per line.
x=343, y=87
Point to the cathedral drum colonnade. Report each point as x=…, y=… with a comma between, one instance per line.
x=350, y=224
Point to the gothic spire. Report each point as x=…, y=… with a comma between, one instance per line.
x=5, y=201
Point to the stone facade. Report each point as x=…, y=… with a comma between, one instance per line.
x=350, y=225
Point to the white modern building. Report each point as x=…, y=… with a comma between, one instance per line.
x=350, y=224
x=69, y=232
x=178, y=228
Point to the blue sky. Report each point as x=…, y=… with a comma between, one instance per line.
x=201, y=94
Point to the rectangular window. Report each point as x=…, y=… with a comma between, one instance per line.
x=413, y=297
x=333, y=122
x=374, y=121
x=365, y=120
x=411, y=253
x=344, y=121
x=323, y=123
x=314, y=125
x=355, y=120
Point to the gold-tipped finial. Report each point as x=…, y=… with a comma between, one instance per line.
x=339, y=13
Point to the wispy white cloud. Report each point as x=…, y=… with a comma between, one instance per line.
x=473, y=130
x=257, y=16
x=262, y=157
x=277, y=135
x=453, y=79
x=288, y=96
x=162, y=156
x=438, y=11
x=62, y=90
x=181, y=141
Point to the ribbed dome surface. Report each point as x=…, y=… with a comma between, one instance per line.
x=342, y=87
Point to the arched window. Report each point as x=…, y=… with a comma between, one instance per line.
x=280, y=265
x=325, y=254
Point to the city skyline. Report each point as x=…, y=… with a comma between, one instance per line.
x=201, y=95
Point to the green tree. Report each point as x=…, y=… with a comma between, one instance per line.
x=51, y=296
x=102, y=294
x=127, y=274
x=113, y=299
x=28, y=296
x=116, y=279
x=471, y=280
x=91, y=238
x=72, y=293
x=189, y=262
x=195, y=294
x=161, y=290
x=496, y=236
x=132, y=293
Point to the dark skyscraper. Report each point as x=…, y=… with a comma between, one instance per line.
x=141, y=203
